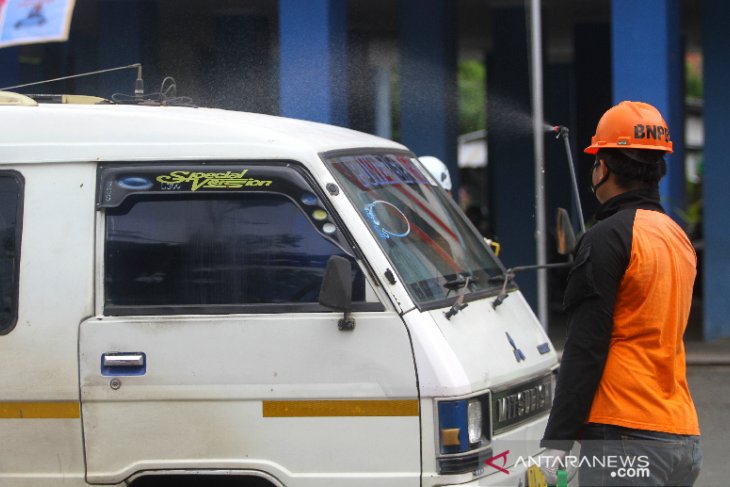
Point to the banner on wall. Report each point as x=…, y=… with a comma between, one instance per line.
x=34, y=21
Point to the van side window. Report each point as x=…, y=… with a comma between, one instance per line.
x=11, y=217
x=212, y=253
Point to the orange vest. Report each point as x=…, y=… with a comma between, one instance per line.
x=644, y=382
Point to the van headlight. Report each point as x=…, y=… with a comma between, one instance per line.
x=463, y=434
x=461, y=424
x=474, y=420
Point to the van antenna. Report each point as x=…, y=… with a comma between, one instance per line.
x=138, y=86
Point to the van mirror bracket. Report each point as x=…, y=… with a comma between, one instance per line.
x=347, y=323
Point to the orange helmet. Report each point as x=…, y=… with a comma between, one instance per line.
x=631, y=125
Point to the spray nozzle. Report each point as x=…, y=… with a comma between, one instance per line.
x=560, y=131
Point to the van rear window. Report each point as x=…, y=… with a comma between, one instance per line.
x=11, y=210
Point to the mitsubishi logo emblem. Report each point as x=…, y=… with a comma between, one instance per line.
x=519, y=356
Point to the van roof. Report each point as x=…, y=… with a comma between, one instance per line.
x=74, y=133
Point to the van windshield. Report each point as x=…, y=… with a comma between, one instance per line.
x=436, y=253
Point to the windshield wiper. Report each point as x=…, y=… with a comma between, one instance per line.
x=509, y=275
x=506, y=277
x=464, y=280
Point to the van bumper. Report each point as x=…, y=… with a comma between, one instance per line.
x=517, y=477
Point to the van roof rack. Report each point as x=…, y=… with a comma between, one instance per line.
x=70, y=99
x=10, y=98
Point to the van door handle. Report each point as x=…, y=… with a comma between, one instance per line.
x=123, y=363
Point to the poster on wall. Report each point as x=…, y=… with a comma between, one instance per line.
x=34, y=21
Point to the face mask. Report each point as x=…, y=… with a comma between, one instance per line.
x=594, y=187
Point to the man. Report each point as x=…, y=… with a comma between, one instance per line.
x=622, y=388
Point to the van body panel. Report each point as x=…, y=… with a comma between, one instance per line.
x=39, y=399
x=118, y=133
x=56, y=284
x=478, y=335
x=41, y=452
x=204, y=398
x=471, y=351
x=440, y=371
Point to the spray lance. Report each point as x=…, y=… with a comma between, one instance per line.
x=562, y=131
x=566, y=237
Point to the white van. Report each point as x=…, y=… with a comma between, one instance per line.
x=203, y=297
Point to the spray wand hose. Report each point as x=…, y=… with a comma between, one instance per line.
x=563, y=132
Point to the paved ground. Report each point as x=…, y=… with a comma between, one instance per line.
x=710, y=387
x=708, y=353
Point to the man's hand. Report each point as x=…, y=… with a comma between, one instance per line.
x=550, y=461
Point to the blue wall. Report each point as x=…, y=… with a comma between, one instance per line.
x=128, y=34
x=511, y=169
x=313, y=62
x=716, y=286
x=9, y=67
x=428, y=105
x=648, y=66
